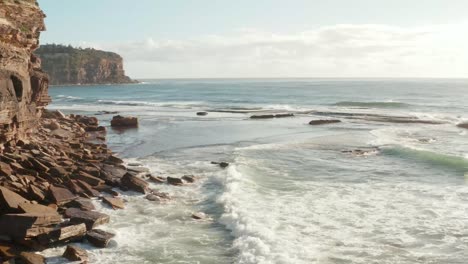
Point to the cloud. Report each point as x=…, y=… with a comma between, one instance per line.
x=334, y=51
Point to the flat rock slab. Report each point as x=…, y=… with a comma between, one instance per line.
x=74, y=253
x=10, y=201
x=134, y=183
x=90, y=218
x=115, y=203
x=88, y=178
x=99, y=238
x=31, y=258
x=63, y=234
x=36, y=209
x=83, y=204
x=61, y=195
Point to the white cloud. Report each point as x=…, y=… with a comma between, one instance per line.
x=334, y=51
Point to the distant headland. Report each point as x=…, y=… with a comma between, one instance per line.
x=67, y=65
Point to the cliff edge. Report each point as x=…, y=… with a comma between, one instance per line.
x=23, y=85
x=67, y=65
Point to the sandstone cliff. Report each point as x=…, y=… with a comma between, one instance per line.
x=23, y=85
x=68, y=65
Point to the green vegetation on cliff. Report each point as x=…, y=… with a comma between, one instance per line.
x=69, y=65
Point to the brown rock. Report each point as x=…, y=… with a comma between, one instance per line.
x=90, y=218
x=10, y=201
x=93, y=181
x=36, y=209
x=27, y=225
x=156, y=179
x=61, y=195
x=88, y=189
x=7, y=251
x=36, y=193
x=134, y=183
x=115, y=203
x=99, y=238
x=31, y=258
x=463, y=125
x=64, y=234
x=83, y=204
x=174, y=181
x=121, y=121
x=5, y=169
x=153, y=198
x=114, y=160
x=74, y=253
x=324, y=122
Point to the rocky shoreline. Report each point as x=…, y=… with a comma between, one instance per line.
x=49, y=181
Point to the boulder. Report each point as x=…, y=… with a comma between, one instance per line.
x=324, y=122
x=30, y=258
x=188, y=178
x=99, y=238
x=90, y=218
x=115, y=203
x=202, y=113
x=121, y=121
x=174, y=181
x=61, y=195
x=463, y=125
x=134, y=183
x=10, y=201
x=74, y=253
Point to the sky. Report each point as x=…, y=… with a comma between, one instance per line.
x=269, y=38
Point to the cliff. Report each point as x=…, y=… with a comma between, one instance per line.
x=68, y=65
x=23, y=85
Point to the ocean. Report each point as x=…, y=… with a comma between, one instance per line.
x=386, y=185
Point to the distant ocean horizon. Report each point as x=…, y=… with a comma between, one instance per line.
x=387, y=184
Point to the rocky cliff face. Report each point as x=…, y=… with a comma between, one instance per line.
x=68, y=65
x=23, y=85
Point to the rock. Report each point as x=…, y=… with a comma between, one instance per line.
x=29, y=225
x=83, y=204
x=156, y=179
x=36, y=209
x=36, y=193
x=63, y=234
x=5, y=169
x=10, y=201
x=115, y=203
x=99, y=238
x=174, y=181
x=202, y=113
x=284, y=115
x=223, y=164
x=61, y=195
x=138, y=170
x=262, y=116
x=52, y=125
x=114, y=160
x=88, y=189
x=188, y=178
x=324, y=122
x=88, y=178
x=7, y=251
x=198, y=216
x=74, y=253
x=134, y=183
x=121, y=121
x=463, y=125
x=30, y=258
x=153, y=198
x=90, y=218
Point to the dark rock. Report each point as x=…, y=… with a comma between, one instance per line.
x=188, y=178
x=223, y=164
x=82, y=203
x=463, y=125
x=27, y=225
x=174, y=181
x=284, y=115
x=138, y=169
x=36, y=193
x=156, y=179
x=198, y=216
x=324, y=122
x=99, y=238
x=121, y=121
x=262, y=116
x=115, y=203
x=114, y=160
x=61, y=195
x=74, y=253
x=134, y=183
x=153, y=198
x=7, y=251
x=88, y=189
x=88, y=178
x=63, y=234
x=90, y=218
x=202, y=113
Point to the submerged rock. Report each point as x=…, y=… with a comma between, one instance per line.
x=99, y=238
x=268, y=116
x=188, y=178
x=198, y=216
x=174, y=181
x=324, y=122
x=202, y=113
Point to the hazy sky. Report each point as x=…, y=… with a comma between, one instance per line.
x=270, y=38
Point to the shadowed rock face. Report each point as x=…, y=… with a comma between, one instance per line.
x=23, y=85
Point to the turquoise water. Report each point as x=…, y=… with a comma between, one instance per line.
x=294, y=193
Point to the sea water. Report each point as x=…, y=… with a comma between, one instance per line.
x=293, y=193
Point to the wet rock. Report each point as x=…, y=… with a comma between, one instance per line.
x=198, y=216
x=74, y=253
x=156, y=179
x=188, y=178
x=64, y=234
x=90, y=218
x=202, y=113
x=262, y=116
x=115, y=203
x=99, y=238
x=324, y=122
x=10, y=201
x=30, y=258
x=174, y=181
x=134, y=183
x=61, y=195
x=153, y=198
x=463, y=125
x=223, y=164
x=114, y=160
x=121, y=121
x=138, y=170
x=284, y=115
